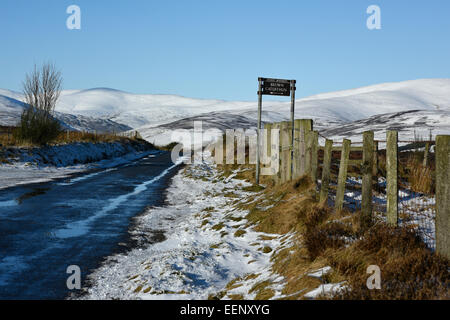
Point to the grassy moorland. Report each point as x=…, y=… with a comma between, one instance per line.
x=325, y=237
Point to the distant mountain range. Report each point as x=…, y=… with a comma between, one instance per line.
x=155, y=116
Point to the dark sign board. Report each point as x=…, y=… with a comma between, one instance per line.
x=276, y=87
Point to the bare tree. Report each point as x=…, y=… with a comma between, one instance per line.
x=41, y=89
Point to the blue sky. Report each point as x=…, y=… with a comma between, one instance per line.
x=217, y=49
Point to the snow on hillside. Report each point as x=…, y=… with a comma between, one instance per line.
x=333, y=110
x=155, y=116
x=11, y=109
x=135, y=110
x=147, y=111
x=410, y=124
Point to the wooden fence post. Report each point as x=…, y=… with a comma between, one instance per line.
x=343, y=165
x=277, y=176
x=297, y=165
x=286, y=139
x=283, y=158
x=311, y=158
x=268, y=141
x=308, y=148
x=367, y=170
x=302, y=127
x=307, y=131
x=314, y=155
x=392, y=177
x=425, y=155
x=375, y=161
x=443, y=195
x=326, y=169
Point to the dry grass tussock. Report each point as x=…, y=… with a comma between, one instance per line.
x=322, y=236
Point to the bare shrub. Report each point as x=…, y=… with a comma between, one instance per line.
x=41, y=89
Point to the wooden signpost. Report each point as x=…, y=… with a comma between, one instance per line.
x=273, y=87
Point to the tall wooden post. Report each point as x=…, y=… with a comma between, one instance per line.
x=425, y=154
x=392, y=177
x=258, y=130
x=292, y=87
x=345, y=153
x=268, y=142
x=285, y=136
x=302, y=127
x=326, y=170
x=296, y=154
x=277, y=175
x=443, y=195
x=375, y=161
x=367, y=170
x=314, y=155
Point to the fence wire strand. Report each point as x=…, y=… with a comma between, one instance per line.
x=416, y=198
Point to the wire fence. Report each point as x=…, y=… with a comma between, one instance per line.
x=417, y=206
x=416, y=185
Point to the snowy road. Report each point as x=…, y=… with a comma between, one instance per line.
x=46, y=227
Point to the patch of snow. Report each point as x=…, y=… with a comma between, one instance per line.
x=328, y=290
x=200, y=253
x=320, y=272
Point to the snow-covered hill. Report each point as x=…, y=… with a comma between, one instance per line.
x=11, y=108
x=133, y=110
x=415, y=124
x=334, y=110
x=155, y=116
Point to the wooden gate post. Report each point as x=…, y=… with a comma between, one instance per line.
x=311, y=158
x=302, y=127
x=308, y=149
x=277, y=176
x=367, y=170
x=296, y=156
x=443, y=195
x=268, y=142
x=392, y=177
x=425, y=154
x=307, y=127
x=326, y=169
x=289, y=149
x=285, y=167
x=375, y=161
x=345, y=153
